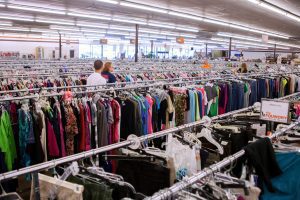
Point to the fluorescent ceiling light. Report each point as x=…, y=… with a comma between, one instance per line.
x=36, y=9
x=185, y=16
x=275, y=9
x=143, y=7
x=92, y=25
x=2, y=5
x=216, y=22
x=116, y=33
x=129, y=21
x=161, y=25
x=90, y=16
x=272, y=8
x=121, y=28
x=3, y=23
x=17, y=18
x=254, y=1
x=93, y=31
x=62, y=28
x=187, y=29
x=52, y=21
x=188, y=36
x=294, y=17
x=109, y=1
x=15, y=29
x=239, y=37
x=148, y=31
x=42, y=30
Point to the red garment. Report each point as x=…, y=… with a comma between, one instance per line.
x=62, y=139
x=88, y=121
x=150, y=101
x=115, y=127
x=82, y=134
x=53, y=150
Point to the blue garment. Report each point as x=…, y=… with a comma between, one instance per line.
x=200, y=103
x=145, y=116
x=26, y=136
x=110, y=78
x=262, y=91
x=287, y=185
x=229, y=106
x=235, y=95
x=157, y=102
x=191, y=113
x=253, y=95
x=241, y=95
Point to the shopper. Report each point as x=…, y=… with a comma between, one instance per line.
x=243, y=68
x=96, y=78
x=107, y=73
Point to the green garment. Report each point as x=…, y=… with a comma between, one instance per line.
x=215, y=105
x=197, y=113
x=93, y=191
x=7, y=140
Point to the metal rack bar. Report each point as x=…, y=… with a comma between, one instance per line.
x=36, y=96
x=108, y=84
x=87, y=154
x=165, y=194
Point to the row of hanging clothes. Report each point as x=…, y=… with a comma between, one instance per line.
x=266, y=171
x=58, y=127
x=35, y=82
x=151, y=167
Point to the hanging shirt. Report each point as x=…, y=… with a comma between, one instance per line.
x=95, y=79
x=7, y=141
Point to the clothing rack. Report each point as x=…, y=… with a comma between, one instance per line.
x=108, y=84
x=90, y=153
x=141, y=82
x=37, y=96
x=167, y=193
x=128, y=142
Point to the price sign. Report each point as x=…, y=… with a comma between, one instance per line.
x=275, y=111
x=103, y=41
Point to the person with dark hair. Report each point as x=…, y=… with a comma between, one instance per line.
x=96, y=78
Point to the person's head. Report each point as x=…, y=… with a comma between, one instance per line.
x=244, y=68
x=108, y=67
x=98, y=65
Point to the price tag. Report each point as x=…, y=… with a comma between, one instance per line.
x=275, y=111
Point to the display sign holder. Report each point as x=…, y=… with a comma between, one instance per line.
x=275, y=111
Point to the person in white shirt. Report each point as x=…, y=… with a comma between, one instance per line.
x=96, y=78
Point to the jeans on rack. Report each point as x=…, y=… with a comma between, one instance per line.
x=241, y=96
x=229, y=103
x=253, y=95
x=238, y=95
x=262, y=92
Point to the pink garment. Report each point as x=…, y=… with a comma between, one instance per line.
x=51, y=140
x=150, y=101
x=88, y=121
x=204, y=102
x=62, y=139
x=115, y=127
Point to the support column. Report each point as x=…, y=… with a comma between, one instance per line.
x=206, y=52
x=275, y=48
x=101, y=51
x=229, y=53
x=60, y=53
x=136, y=42
x=152, y=49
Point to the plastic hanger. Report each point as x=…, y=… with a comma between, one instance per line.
x=232, y=128
x=206, y=133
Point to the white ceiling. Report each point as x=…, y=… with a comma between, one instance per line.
x=232, y=11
